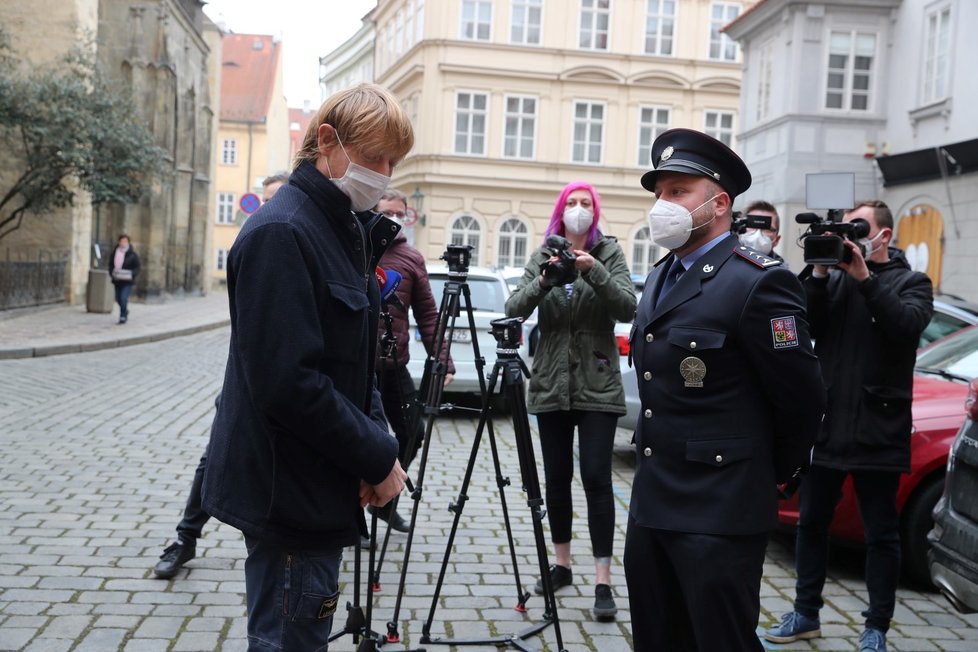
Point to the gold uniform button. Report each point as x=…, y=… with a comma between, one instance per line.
x=719, y=459
x=647, y=375
x=648, y=452
x=649, y=337
x=648, y=414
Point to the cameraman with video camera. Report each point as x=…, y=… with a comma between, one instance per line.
x=867, y=313
x=579, y=280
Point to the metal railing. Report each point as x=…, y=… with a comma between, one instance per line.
x=33, y=278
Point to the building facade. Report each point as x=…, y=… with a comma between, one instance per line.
x=513, y=99
x=157, y=49
x=253, y=139
x=880, y=89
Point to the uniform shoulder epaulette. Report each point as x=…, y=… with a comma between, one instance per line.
x=756, y=257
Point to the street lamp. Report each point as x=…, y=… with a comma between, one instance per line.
x=418, y=198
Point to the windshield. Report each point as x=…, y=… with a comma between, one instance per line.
x=488, y=294
x=957, y=355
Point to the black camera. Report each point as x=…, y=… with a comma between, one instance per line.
x=823, y=241
x=507, y=331
x=561, y=271
x=458, y=256
x=741, y=222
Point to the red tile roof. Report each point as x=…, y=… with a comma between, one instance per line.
x=302, y=118
x=251, y=62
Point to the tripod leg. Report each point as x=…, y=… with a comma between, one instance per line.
x=513, y=388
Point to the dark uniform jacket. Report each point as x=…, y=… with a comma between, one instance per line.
x=300, y=421
x=414, y=293
x=731, y=393
x=577, y=364
x=866, y=336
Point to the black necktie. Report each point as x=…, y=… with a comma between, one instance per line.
x=675, y=271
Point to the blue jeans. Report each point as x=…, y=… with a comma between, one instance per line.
x=819, y=493
x=292, y=595
x=122, y=292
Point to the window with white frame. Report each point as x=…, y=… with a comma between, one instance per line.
x=514, y=237
x=465, y=230
x=938, y=46
x=470, y=123
x=764, y=75
x=595, y=15
x=660, y=25
x=229, y=152
x=399, y=33
x=520, y=126
x=652, y=121
x=588, y=132
x=524, y=26
x=476, y=20
x=850, y=70
x=418, y=20
x=644, y=252
x=221, y=260
x=722, y=47
x=225, y=208
x=720, y=125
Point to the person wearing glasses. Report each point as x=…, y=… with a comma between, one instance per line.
x=397, y=389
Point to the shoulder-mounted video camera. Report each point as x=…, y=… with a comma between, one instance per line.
x=741, y=222
x=561, y=271
x=824, y=238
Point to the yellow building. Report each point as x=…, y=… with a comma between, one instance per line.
x=252, y=136
x=513, y=99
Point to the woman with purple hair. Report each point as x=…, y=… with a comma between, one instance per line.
x=576, y=380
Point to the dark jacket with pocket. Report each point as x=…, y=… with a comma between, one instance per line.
x=866, y=336
x=129, y=262
x=731, y=393
x=300, y=421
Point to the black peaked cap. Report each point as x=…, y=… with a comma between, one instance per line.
x=692, y=152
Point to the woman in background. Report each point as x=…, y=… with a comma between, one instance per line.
x=123, y=268
x=576, y=380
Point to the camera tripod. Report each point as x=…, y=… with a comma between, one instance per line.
x=510, y=368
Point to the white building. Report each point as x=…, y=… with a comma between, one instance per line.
x=880, y=88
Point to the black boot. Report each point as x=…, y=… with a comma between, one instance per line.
x=174, y=556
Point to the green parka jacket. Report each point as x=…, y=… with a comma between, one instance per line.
x=576, y=363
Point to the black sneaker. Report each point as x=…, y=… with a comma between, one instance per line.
x=604, y=603
x=560, y=576
x=173, y=557
x=365, y=543
x=388, y=514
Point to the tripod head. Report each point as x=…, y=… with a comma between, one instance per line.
x=458, y=256
x=508, y=331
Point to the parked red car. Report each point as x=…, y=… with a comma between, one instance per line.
x=939, y=392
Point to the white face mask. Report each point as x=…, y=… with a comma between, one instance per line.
x=757, y=240
x=578, y=220
x=670, y=224
x=869, y=245
x=363, y=186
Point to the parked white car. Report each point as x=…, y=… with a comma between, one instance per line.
x=488, y=290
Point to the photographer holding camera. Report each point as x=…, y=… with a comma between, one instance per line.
x=581, y=286
x=763, y=239
x=867, y=315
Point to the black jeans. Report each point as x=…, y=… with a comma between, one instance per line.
x=397, y=392
x=194, y=517
x=595, y=442
x=818, y=495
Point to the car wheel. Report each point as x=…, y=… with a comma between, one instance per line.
x=917, y=521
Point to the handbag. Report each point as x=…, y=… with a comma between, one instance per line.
x=122, y=275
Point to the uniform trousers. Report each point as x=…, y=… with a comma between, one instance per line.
x=693, y=592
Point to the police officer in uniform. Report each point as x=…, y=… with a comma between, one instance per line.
x=731, y=403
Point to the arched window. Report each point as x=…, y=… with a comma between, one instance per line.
x=644, y=252
x=465, y=229
x=513, y=241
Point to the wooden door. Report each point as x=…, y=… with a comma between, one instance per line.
x=921, y=236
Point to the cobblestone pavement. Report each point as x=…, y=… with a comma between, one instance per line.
x=99, y=450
